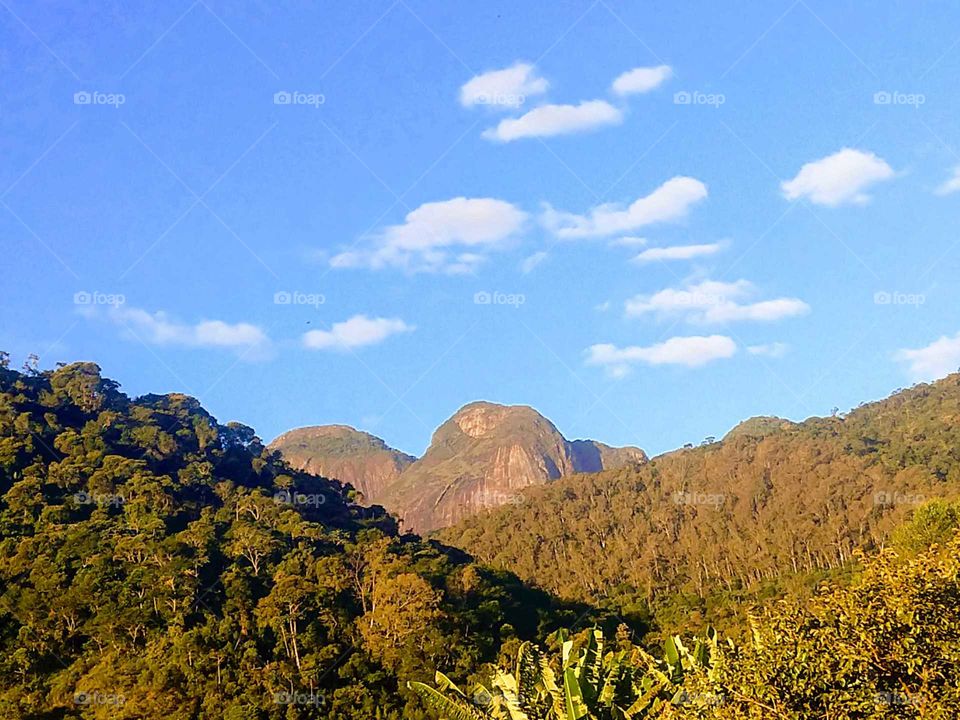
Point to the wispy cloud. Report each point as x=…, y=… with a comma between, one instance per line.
x=939, y=358
x=838, y=179
x=550, y=120
x=771, y=350
x=532, y=261
x=678, y=252
x=712, y=302
x=159, y=328
x=451, y=236
x=692, y=351
x=641, y=80
x=951, y=184
x=359, y=331
x=506, y=89
x=668, y=203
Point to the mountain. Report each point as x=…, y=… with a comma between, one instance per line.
x=342, y=453
x=487, y=455
x=772, y=499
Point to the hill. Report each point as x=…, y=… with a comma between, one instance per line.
x=155, y=563
x=342, y=453
x=773, y=499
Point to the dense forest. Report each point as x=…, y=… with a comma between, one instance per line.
x=774, y=506
x=154, y=563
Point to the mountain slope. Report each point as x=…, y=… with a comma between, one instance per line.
x=157, y=564
x=772, y=498
x=342, y=453
x=487, y=455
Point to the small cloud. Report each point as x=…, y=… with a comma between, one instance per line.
x=550, y=120
x=668, y=203
x=694, y=351
x=838, y=179
x=771, y=350
x=602, y=307
x=507, y=88
x=641, y=80
x=678, y=252
x=939, y=358
x=951, y=184
x=529, y=263
x=449, y=236
x=358, y=331
x=712, y=302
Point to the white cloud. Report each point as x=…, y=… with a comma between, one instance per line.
x=939, y=358
x=549, y=120
x=529, y=263
x=677, y=252
x=772, y=350
x=507, y=88
x=641, y=80
x=714, y=302
x=358, y=331
x=951, y=184
x=448, y=236
x=838, y=179
x=669, y=202
x=160, y=329
x=692, y=351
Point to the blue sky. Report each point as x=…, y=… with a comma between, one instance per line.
x=649, y=221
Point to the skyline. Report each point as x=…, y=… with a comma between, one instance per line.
x=422, y=210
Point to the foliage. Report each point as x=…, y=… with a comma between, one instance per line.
x=583, y=683
x=154, y=563
x=883, y=647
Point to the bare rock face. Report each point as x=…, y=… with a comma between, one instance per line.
x=483, y=457
x=342, y=453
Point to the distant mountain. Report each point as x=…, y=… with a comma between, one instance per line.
x=342, y=453
x=485, y=456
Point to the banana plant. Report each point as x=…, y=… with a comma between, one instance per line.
x=624, y=685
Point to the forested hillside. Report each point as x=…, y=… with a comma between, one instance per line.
x=154, y=563
x=773, y=501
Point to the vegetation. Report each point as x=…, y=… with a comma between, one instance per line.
x=774, y=507
x=154, y=563
x=886, y=646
